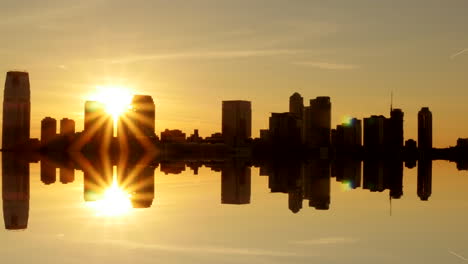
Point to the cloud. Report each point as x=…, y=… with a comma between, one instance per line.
x=327, y=65
x=453, y=56
x=229, y=54
x=199, y=249
x=325, y=241
x=458, y=255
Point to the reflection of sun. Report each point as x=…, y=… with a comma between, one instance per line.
x=116, y=99
x=115, y=202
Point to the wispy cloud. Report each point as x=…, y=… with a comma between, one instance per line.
x=327, y=65
x=325, y=241
x=229, y=54
x=453, y=56
x=458, y=255
x=200, y=249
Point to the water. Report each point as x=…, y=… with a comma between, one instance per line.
x=186, y=221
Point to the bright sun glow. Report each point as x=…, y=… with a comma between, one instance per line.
x=115, y=202
x=116, y=99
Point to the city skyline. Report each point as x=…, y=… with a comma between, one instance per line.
x=195, y=58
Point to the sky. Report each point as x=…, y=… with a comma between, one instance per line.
x=190, y=55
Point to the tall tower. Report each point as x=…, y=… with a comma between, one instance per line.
x=296, y=105
x=316, y=128
x=425, y=129
x=48, y=130
x=144, y=112
x=98, y=126
x=16, y=110
x=396, y=135
x=236, y=122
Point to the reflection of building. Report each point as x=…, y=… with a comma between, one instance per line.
x=15, y=191
x=137, y=179
x=67, y=173
x=48, y=130
x=16, y=110
x=395, y=171
x=424, y=129
x=236, y=122
x=347, y=171
x=97, y=176
x=424, y=179
x=48, y=173
x=235, y=183
x=316, y=178
x=374, y=176
x=316, y=124
x=172, y=167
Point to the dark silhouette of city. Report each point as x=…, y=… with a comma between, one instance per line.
x=300, y=152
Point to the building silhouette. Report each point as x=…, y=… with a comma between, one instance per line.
x=395, y=136
x=316, y=126
x=236, y=122
x=348, y=136
x=48, y=131
x=374, y=133
x=424, y=130
x=144, y=111
x=284, y=129
x=173, y=136
x=16, y=111
x=137, y=125
x=98, y=126
x=296, y=105
x=15, y=191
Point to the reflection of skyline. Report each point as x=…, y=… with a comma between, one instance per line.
x=300, y=180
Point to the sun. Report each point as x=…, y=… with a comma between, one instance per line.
x=116, y=99
x=115, y=202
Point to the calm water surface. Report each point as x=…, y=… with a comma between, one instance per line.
x=221, y=217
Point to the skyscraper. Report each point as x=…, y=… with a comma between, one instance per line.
x=316, y=127
x=144, y=112
x=374, y=133
x=284, y=130
x=296, y=105
x=424, y=129
x=395, y=137
x=138, y=123
x=48, y=130
x=16, y=110
x=236, y=122
x=98, y=126
x=67, y=127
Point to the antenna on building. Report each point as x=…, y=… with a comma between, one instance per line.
x=391, y=101
x=390, y=199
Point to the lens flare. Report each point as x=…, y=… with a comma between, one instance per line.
x=116, y=99
x=115, y=202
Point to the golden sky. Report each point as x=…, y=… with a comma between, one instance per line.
x=191, y=55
